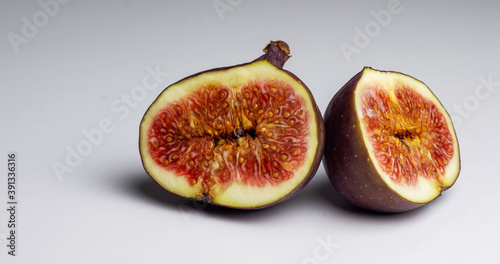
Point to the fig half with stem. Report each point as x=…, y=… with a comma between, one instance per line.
x=390, y=144
x=246, y=136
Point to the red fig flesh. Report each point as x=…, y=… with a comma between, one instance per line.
x=246, y=136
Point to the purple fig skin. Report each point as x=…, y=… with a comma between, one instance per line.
x=277, y=53
x=347, y=161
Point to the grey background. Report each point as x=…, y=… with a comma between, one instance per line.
x=85, y=58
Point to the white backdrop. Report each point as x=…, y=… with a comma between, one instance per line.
x=70, y=69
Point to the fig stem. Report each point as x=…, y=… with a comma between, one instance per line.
x=277, y=53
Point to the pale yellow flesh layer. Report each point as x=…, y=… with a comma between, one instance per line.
x=237, y=194
x=424, y=190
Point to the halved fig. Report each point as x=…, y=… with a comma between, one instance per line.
x=246, y=136
x=390, y=144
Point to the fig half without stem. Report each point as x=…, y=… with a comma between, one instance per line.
x=390, y=144
x=246, y=136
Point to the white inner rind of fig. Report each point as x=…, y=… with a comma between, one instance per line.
x=408, y=133
x=235, y=193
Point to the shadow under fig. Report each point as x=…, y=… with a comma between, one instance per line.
x=327, y=192
x=319, y=193
x=143, y=187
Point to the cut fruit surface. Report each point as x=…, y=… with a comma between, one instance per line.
x=245, y=136
x=405, y=151
x=409, y=135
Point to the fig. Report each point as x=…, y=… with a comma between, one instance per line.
x=247, y=136
x=390, y=144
